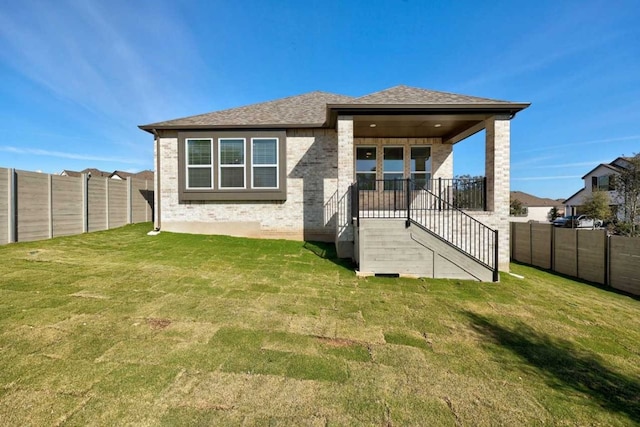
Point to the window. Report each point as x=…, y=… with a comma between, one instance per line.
x=264, y=162
x=232, y=165
x=602, y=183
x=231, y=155
x=199, y=163
x=421, y=166
x=393, y=167
x=366, y=168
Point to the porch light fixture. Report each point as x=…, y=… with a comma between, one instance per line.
x=437, y=125
x=372, y=125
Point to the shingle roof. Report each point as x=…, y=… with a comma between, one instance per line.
x=530, y=200
x=120, y=174
x=310, y=109
x=307, y=109
x=413, y=95
x=145, y=174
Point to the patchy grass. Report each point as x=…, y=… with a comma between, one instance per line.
x=118, y=328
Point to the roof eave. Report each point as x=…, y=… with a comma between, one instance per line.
x=150, y=128
x=393, y=109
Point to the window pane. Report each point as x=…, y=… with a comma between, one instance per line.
x=264, y=152
x=420, y=159
x=199, y=152
x=264, y=177
x=393, y=159
x=366, y=181
x=232, y=177
x=231, y=152
x=393, y=181
x=421, y=180
x=199, y=178
x=365, y=159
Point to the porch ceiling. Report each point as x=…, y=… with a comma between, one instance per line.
x=442, y=126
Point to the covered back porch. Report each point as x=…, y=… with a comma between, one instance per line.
x=378, y=153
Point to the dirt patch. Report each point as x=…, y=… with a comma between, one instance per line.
x=156, y=323
x=335, y=342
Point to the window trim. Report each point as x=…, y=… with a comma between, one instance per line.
x=276, y=165
x=247, y=194
x=188, y=166
x=232, y=166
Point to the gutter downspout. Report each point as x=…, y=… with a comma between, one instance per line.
x=156, y=191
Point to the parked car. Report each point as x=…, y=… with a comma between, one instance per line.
x=576, y=221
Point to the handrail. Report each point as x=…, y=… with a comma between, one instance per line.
x=419, y=205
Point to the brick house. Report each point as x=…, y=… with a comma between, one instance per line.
x=372, y=174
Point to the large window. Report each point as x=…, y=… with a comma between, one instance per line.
x=231, y=155
x=602, y=183
x=199, y=154
x=264, y=162
x=232, y=165
x=421, y=166
x=393, y=167
x=366, y=168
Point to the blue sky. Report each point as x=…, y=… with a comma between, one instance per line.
x=77, y=77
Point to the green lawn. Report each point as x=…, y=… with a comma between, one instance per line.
x=118, y=327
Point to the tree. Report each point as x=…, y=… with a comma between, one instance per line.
x=596, y=206
x=468, y=192
x=553, y=214
x=627, y=184
x=516, y=208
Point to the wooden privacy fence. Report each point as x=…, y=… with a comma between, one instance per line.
x=586, y=254
x=36, y=206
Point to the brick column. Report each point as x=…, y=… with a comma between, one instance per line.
x=497, y=171
x=344, y=228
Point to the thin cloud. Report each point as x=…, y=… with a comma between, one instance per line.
x=571, y=165
x=73, y=156
x=577, y=144
x=531, y=160
x=545, y=178
x=109, y=70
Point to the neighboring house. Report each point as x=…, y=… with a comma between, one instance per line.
x=287, y=169
x=600, y=178
x=147, y=175
x=537, y=208
x=118, y=175
x=122, y=175
x=92, y=171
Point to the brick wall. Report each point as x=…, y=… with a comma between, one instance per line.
x=311, y=184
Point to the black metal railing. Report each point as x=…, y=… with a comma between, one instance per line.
x=419, y=205
x=462, y=193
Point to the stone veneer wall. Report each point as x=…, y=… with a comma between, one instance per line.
x=306, y=214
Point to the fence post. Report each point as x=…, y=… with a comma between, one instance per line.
x=13, y=221
x=439, y=193
x=607, y=259
x=85, y=202
x=106, y=202
x=408, y=194
x=50, y=201
x=129, y=201
x=496, y=275
x=484, y=195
